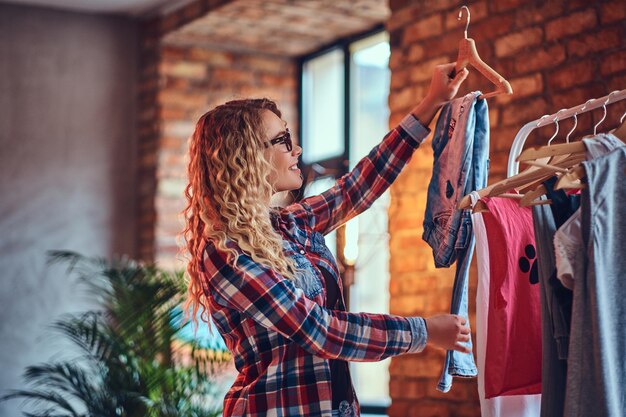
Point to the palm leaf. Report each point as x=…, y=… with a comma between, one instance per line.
x=129, y=362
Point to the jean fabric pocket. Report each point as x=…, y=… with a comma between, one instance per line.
x=306, y=277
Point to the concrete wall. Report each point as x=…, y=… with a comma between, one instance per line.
x=67, y=166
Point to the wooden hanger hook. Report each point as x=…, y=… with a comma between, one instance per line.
x=468, y=18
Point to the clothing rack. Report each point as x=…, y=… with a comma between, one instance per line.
x=520, y=138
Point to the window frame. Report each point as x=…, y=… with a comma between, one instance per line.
x=338, y=165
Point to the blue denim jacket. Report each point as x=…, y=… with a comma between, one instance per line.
x=461, y=149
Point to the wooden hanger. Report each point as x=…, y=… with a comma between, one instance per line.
x=469, y=55
x=552, y=150
x=530, y=173
x=544, y=173
x=573, y=176
x=531, y=176
x=537, y=189
x=620, y=132
x=572, y=179
x=530, y=197
x=567, y=151
x=548, y=161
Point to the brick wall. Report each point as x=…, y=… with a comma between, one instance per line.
x=149, y=124
x=194, y=80
x=555, y=54
x=176, y=86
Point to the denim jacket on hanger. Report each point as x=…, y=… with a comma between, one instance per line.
x=461, y=150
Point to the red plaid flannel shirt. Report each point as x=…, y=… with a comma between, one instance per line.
x=278, y=330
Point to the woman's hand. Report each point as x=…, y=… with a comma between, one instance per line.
x=448, y=331
x=442, y=89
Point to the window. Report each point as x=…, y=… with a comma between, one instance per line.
x=323, y=80
x=344, y=115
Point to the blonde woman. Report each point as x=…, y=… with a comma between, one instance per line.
x=265, y=275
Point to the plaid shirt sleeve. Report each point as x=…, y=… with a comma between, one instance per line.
x=277, y=304
x=356, y=191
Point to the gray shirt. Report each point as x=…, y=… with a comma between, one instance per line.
x=596, y=374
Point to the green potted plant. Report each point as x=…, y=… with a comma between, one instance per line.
x=132, y=362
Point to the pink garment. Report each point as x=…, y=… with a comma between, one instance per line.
x=513, y=356
x=504, y=406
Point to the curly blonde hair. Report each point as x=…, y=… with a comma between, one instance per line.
x=228, y=194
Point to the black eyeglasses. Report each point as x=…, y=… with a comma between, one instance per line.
x=284, y=138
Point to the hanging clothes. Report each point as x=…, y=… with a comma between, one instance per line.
x=556, y=305
x=596, y=373
x=568, y=250
x=505, y=406
x=560, y=252
x=558, y=299
x=461, y=150
x=513, y=354
x=568, y=239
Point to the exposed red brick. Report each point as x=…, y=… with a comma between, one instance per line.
x=527, y=86
x=504, y=66
x=510, y=44
x=182, y=69
x=396, y=5
x=594, y=42
x=212, y=57
x=575, y=23
x=416, y=53
x=423, y=29
x=430, y=408
x=413, y=389
x=575, y=5
x=615, y=62
x=614, y=112
x=445, y=44
x=616, y=82
x=571, y=75
x=612, y=12
x=501, y=138
x=172, y=52
x=537, y=12
x=539, y=58
x=271, y=80
x=399, y=408
x=399, y=79
x=424, y=71
x=403, y=17
x=494, y=117
x=171, y=83
x=425, y=6
x=403, y=99
x=168, y=113
x=575, y=96
x=397, y=59
x=257, y=63
x=521, y=112
x=231, y=76
x=503, y=5
x=181, y=99
x=491, y=28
